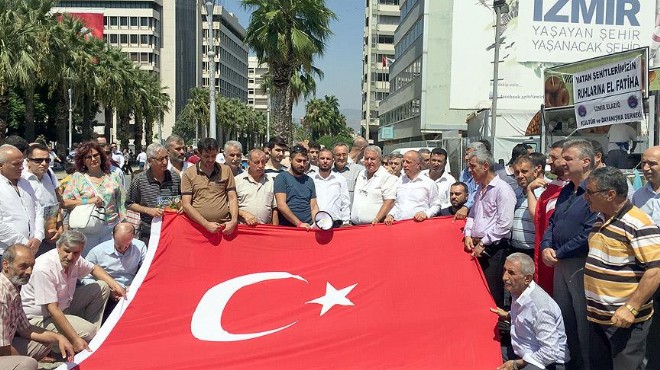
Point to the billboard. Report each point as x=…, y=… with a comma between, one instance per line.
x=538, y=34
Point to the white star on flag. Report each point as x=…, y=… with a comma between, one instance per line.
x=333, y=297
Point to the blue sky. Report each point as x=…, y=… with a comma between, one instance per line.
x=342, y=61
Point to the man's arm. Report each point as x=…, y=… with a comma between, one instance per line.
x=247, y=217
x=580, y=240
x=186, y=202
x=230, y=225
x=345, y=200
x=64, y=327
x=385, y=208
x=647, y=286
x=314, y=207
x=42, y=335
x=506, y=205
x=99, y=273
x=284, y=209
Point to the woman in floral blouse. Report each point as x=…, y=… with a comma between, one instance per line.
x=92, y=183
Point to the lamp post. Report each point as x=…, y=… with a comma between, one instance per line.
x=70, y=119
x=268, y=115
x=210, y=4
x=501, y=7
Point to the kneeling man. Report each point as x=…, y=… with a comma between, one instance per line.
x=51, y=299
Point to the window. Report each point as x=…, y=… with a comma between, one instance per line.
x=113, y=39
x=144, y=22
x=134, y=40
x=144, y=40
x=123, y=39
x=134, y=21
x=123, y=21
x=113, y=21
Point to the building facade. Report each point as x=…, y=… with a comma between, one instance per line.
x=257, y=96
x=381, y=20
x=231, y=54
x=417, y=106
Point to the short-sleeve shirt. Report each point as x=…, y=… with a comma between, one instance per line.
x=209, y=193
x=121, y=267
x=146, y=191
x=109, y=189
x=12, y=316
x=299, y=191
x=49, y=283
x=256, y=197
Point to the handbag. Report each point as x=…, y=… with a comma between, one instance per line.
x=87, y=218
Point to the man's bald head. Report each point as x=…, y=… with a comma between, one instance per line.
x=8, y=151
x=123, y=228
x=651, y=166
x=360, y=143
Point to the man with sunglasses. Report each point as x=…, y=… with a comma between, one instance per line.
x=44, y=183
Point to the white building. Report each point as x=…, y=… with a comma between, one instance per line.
x=381, y=20
x=257, y=96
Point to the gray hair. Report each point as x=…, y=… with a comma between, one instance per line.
x=153, y=149
x=476, y=145
x=70, y=238
x=173, y=139
x=374, y=149
x=584, y=147
x=233, y=143
x=338, y=145
x=5, y=150
x=483, y=157
x=254, y=152
x=526, y=262
x=610, y=178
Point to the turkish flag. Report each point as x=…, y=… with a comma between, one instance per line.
x=364, y=297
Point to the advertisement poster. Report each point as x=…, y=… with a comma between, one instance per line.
x=538, y=34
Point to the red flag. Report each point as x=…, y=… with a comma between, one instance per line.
x=400, y=296
x=92, y=21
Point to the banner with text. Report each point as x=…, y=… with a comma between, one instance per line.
x=609, y=94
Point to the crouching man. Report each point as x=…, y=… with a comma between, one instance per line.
x=51, y=299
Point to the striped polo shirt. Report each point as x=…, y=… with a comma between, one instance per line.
x=621, y=249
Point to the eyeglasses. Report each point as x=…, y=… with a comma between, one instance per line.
x=39, y=160
x=159, y=159
x=95, y=156
x=590, y=193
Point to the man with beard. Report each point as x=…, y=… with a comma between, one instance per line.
x=526, y=170
x=208, y=191
x=565, y=247
x=256, y=197
x=176, y=150
x=437, y=173
x=53, y=301
x=331, y=190
x=543, y=210
x=416, y=195
x=350, y=171
x=458, y=193
x=276, y=151
x=375, y=190
x=295, y=192
x=396, y=164
x=18, y=337
x=233, y=155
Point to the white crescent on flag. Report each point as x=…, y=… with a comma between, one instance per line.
x=206, y=321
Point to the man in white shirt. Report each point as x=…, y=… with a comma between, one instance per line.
x=117, y=157
x=375, y=190
x=350, y=171
x=142, y=160
x=416, y=195
x=537, y=327
x=256, y=198
x=620, y=139
x=44, y=184
x=21, y=217
x=331, y=190
x=51, y=299
x=437, y=173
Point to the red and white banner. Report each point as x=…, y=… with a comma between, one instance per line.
x=400, y=296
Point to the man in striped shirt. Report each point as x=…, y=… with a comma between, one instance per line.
x=621, y=274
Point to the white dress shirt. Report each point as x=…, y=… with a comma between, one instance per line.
x=444, y=184
x=121, y=267
x=648, y=201
x=45, y=190
x=537, y=328
x=21, y=217
x=417, y=195
x=332, y=195
x=119, y=158
x=370, y=194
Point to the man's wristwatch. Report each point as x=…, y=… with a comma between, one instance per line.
x=632, y=309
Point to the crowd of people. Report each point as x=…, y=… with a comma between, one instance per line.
x=570, y=257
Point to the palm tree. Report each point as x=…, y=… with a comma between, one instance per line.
x=17, y=61
x=287, y=35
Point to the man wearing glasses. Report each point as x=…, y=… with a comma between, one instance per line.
x=44, y=183
x=153, y=190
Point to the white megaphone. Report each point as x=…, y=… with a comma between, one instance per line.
x=323, y=220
